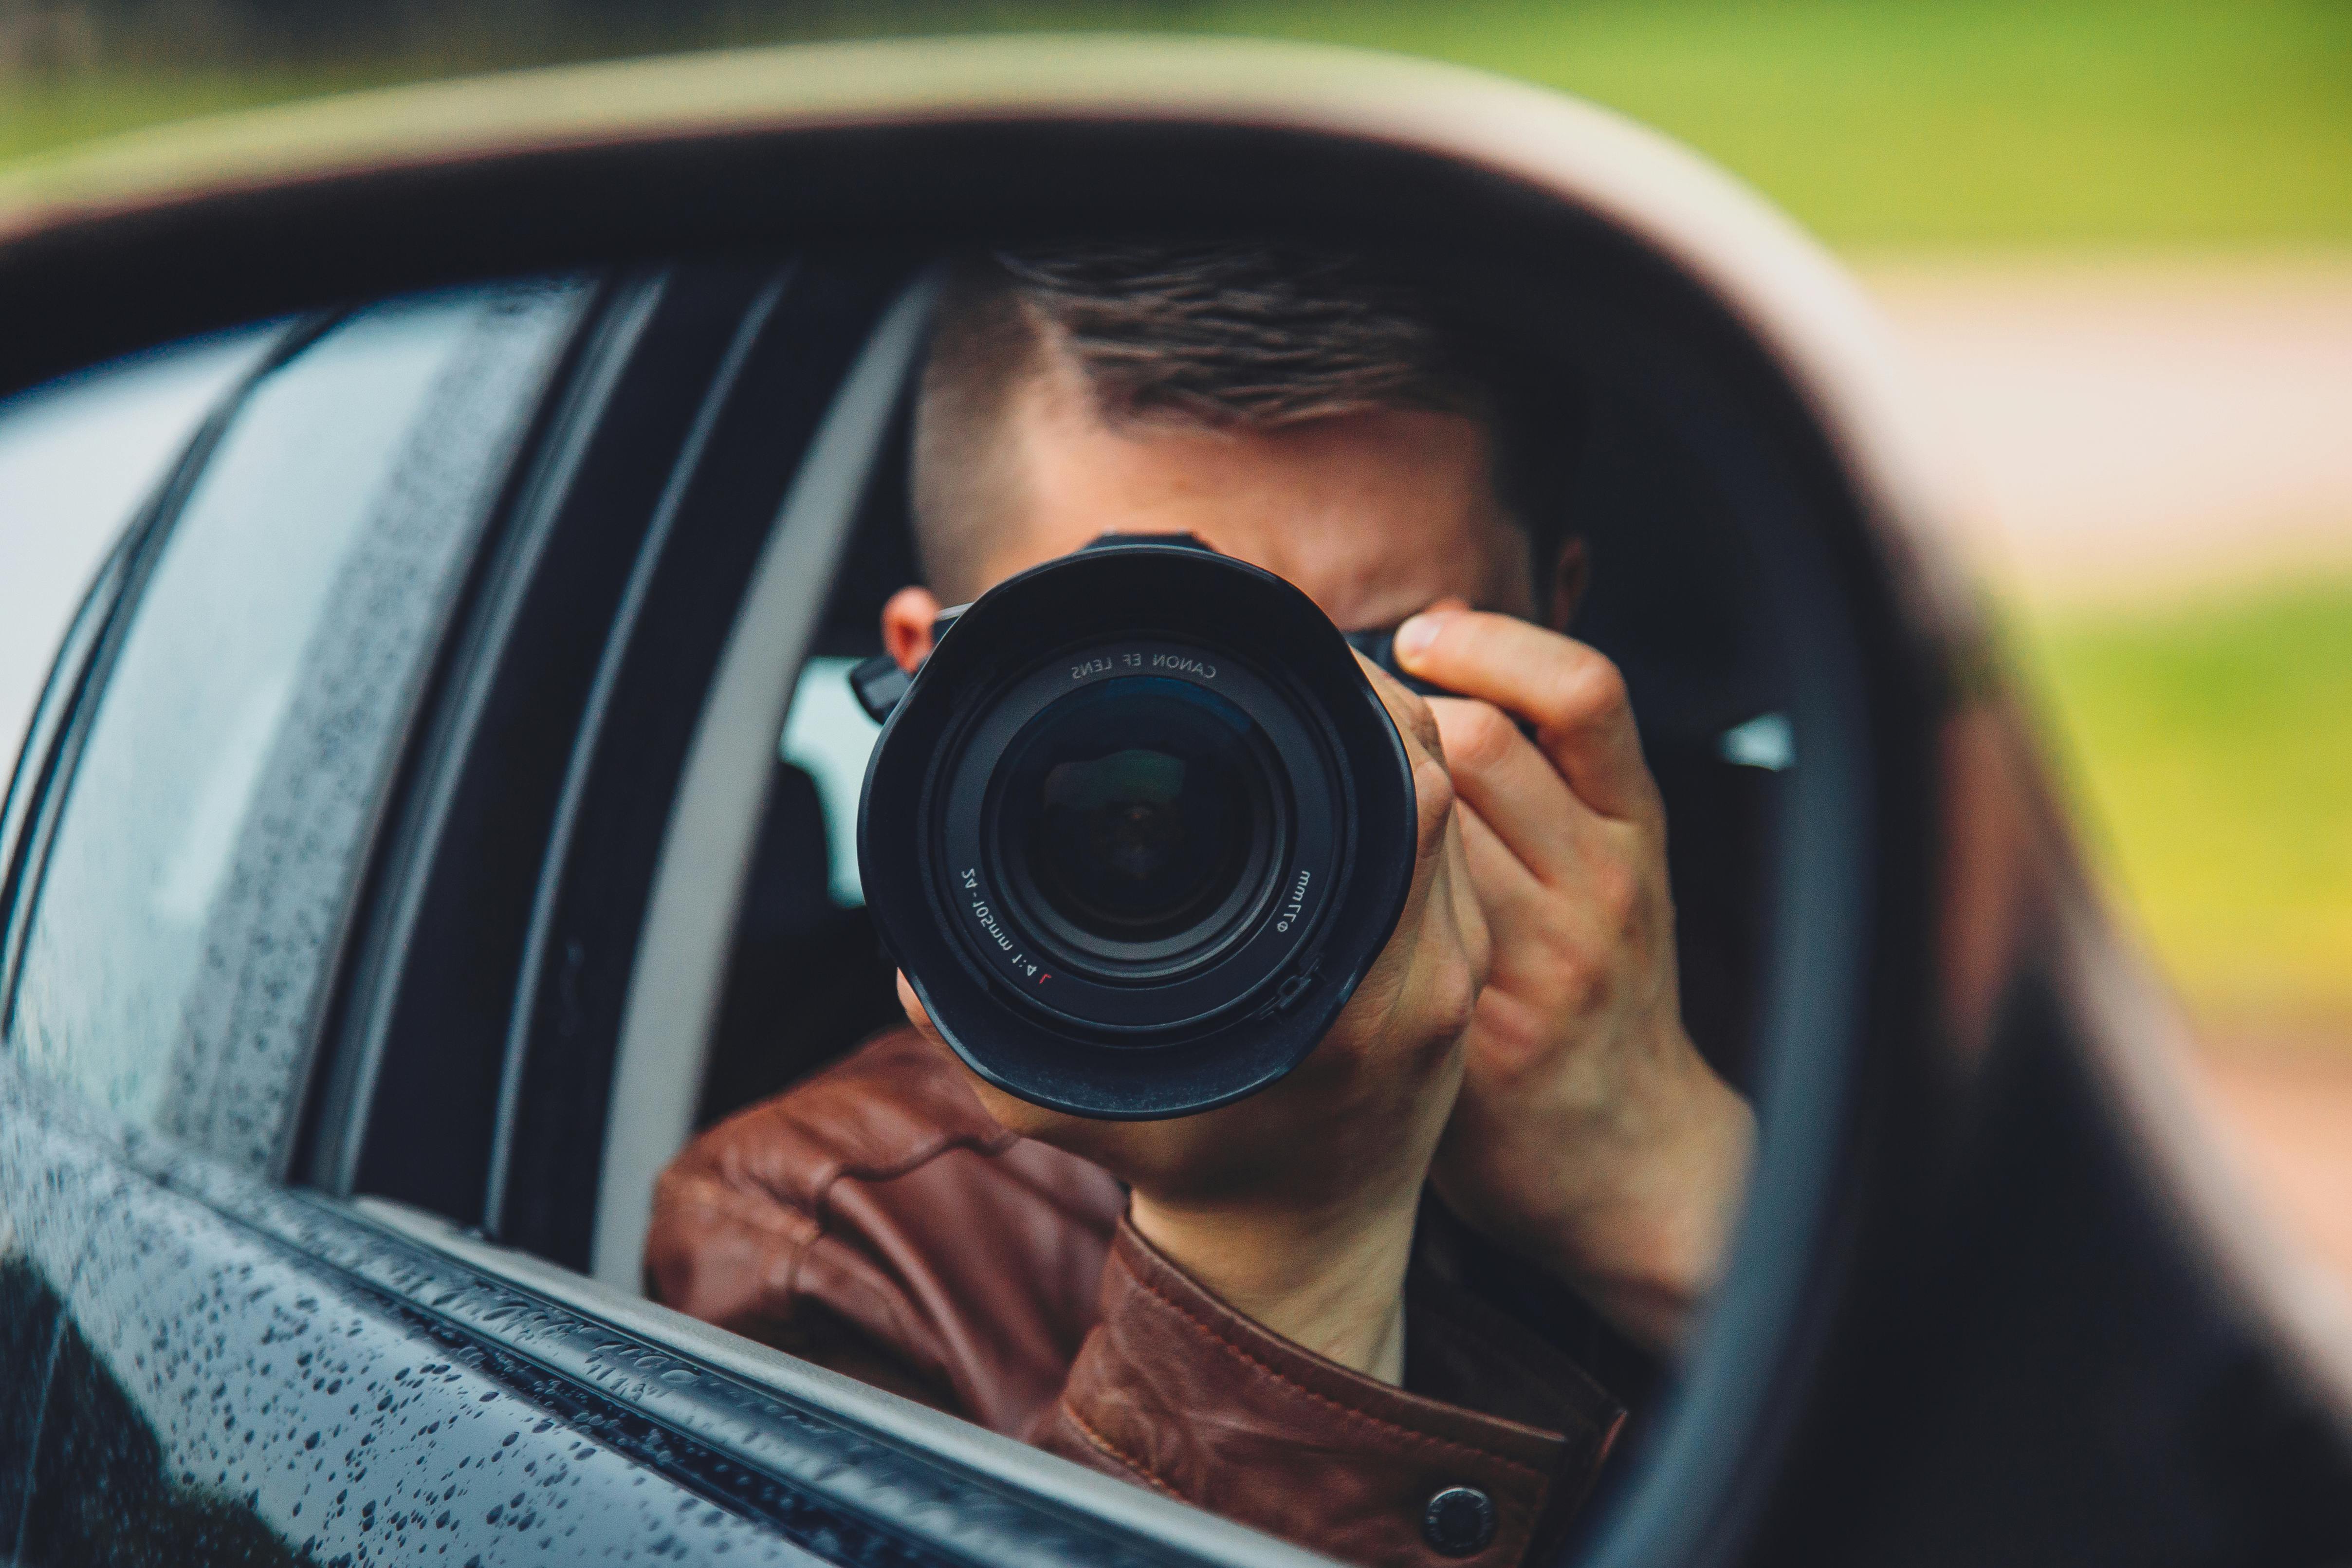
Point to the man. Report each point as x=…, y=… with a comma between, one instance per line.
x=1263, y=1309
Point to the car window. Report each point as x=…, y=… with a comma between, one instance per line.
x=77, y=457
x=219, y=804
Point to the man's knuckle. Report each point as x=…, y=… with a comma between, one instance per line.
x=1589, y=687
x=1433, y=783
x=1454, y=987
x=1609, y=689
x=1573, y=977
x=1484, y=737
x=1616, y=895
x=1480, y=950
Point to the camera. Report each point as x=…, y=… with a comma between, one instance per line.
x=1136, y=829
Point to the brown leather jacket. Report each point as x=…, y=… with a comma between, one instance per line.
x=876, y=1220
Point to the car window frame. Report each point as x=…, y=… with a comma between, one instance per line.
x=627, y=758
x=349, y=1048
x=951, y=1451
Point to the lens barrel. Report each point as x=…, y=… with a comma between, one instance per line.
x=1137, y=829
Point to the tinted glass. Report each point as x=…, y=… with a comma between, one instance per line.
x=78, y=458
x=216, y=817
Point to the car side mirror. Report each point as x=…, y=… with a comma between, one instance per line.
x=1976, y=1231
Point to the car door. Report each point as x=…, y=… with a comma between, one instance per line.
x=336, y=830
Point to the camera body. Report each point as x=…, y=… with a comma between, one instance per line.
x=1137, y=829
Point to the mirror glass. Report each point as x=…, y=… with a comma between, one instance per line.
x=1569, y=529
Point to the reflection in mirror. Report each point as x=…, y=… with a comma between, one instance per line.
x=1303, y=1065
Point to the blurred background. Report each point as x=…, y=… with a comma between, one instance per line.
x=2116, y=235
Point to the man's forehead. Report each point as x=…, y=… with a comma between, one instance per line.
x=1374, y=514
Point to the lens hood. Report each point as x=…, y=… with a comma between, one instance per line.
x=1137, y=829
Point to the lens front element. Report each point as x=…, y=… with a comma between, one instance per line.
x=1137, y=821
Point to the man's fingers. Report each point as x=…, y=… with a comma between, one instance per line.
x=1407, y=712
x=1545, y=946
x=1507, y=892
x=1498, y=773
x=1575, y=696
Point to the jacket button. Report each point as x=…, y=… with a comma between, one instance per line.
x=1459, y=1522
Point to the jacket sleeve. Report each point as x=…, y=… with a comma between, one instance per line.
x=1484, y=1456
x=875, y=1221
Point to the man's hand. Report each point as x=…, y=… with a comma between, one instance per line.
x=1590, y=1136
x=1297, y=1206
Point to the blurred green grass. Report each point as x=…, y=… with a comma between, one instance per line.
x=1967, y=123
x=2213, y=743
x=1877, y=122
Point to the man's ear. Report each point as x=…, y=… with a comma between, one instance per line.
x=906, y=626
x=1571, y=574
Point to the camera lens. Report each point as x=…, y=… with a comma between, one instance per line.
x=1136, y=829
x=1137, y=820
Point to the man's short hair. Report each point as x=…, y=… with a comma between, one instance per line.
x=1211, y=335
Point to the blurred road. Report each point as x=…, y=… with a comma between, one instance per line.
x=2137, y=426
